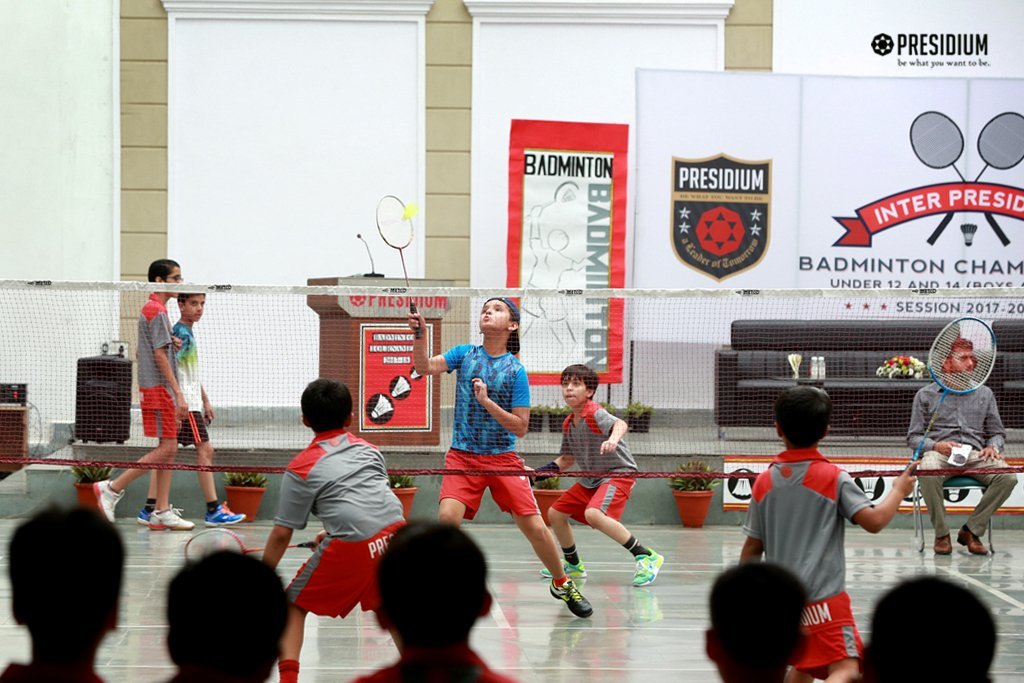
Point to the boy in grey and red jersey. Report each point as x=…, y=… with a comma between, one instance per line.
x=343, y=481
x=796, y=519
x=593, y=437
x=162, y=402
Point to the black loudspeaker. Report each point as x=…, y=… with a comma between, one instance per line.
x=103, y=399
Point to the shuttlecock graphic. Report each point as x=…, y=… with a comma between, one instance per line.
x=380, y=408
x=400, y=388
x=968, y=229
x=415, y=375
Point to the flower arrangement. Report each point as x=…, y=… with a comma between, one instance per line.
x=901, y=366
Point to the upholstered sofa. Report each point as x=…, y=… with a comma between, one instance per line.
x=752, y=370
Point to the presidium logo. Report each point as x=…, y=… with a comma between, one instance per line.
x=720, y=213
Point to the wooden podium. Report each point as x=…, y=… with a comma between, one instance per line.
x=13, y=434
x=365, y=342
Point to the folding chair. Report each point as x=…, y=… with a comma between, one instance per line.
x=963, y=482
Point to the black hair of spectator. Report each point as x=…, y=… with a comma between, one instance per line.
x=326, y=405
x=433, y=584
x=755, y=614
x=226, y=613
x=903, y=645
x=65, y=568
x=803, y=414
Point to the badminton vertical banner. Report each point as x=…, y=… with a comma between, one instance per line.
x=393, y=398
x=567, y=231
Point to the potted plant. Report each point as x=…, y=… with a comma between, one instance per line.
x=547, y=491
x=556, y=416
x=610, y=408
x=693, y=492
x=85, y=476
x=538, y=415
x=638, y=417
x=403, y=486
x=245, y=492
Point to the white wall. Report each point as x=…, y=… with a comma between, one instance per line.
x=286, y=124
x=59, y=178
x=546, y=60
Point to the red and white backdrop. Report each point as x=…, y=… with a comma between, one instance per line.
x=766, y=181
x=567, y=231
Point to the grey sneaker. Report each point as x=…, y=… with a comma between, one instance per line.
x=106, y=498
x=169, y=519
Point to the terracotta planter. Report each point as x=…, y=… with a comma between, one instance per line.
x=693, y=507
x=86, y=497
x=545, y=498
x=245, y=500
x=405, y=496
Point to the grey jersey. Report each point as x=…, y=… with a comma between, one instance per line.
x=154, y=333
x=344, y=482
x=798, y=510
x=582, y=440
x=965, y=418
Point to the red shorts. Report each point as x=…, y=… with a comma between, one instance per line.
x=512, y=494
x=341, y=575
x=610, y=498
x=159, y=419
x=831, y=635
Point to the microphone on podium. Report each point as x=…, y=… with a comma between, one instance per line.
x=373, y=269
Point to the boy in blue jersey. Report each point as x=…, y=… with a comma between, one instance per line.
x=492, y=408
x=192, y=431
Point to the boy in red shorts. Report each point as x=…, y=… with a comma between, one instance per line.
x=163, y=404
x=343, y=481
x=593, y=436
x=492, y=408
x=797, y=517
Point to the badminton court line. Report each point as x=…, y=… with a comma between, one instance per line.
x=988, y=589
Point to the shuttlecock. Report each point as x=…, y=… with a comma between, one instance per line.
x=381, y=409
x=968, y=229
x=410, y=211
x=400, y=387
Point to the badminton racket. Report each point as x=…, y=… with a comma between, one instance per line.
x=1001, y=146
x=217, y=540
x=938, y=143
x=394, y=223
x=960, y=361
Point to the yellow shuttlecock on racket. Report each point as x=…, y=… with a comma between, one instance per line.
x=410, y=211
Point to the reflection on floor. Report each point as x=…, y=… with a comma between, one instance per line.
x=635, y=633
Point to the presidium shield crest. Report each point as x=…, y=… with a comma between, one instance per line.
x=720, y=213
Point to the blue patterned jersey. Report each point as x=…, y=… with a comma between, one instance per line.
x=507, y=384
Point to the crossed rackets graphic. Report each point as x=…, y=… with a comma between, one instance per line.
x=938, y=143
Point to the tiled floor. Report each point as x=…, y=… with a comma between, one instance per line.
x=634, y=635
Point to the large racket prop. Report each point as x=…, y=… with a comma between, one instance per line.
x=960, y=361
x=212, y=541
x=394, y=223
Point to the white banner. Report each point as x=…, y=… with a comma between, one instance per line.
x=736, y=493
x=772, y=181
